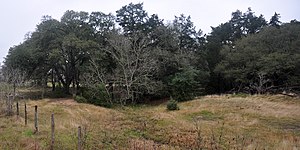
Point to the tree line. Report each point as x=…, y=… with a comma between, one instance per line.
x=133, y=56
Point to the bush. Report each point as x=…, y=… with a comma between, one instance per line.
x=96, y=95
x=185, y=85
x=58, y=93
x=172, y=105
x=80, y=99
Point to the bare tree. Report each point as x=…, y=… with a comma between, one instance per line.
x=136, y=65
x=14, y=78
x=261, y=85
x=10, y=80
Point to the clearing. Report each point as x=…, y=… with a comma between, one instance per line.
x=210, y=122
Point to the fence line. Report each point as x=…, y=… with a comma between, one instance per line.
x=79, y=138
x=25, y=114
x=52, y=131
x=36, y=128
x=18, y=112
x=36, y=119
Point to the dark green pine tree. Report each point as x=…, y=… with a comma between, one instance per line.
x=274, y=21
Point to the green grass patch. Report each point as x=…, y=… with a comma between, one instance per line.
x=134, y=133
x=163, y=123
x=242, y=95
x=158, y=138
x=204, y=115
x=28, y=133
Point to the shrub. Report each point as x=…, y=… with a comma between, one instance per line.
x=80, y=99
x=172, y=105
x=96, y=95
x=185, y=85
x=58, y=93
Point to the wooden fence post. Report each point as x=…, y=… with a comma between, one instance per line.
x=25, y=114
x=79, y=137
x=18, y=113
x=52, y=131
x=36, y=119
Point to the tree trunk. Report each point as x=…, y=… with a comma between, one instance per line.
x=53, y=80
x=14, y=94
x=66, y=85
x=111, y=92
x=67, y=88
x=59, y=84
x=44, y=84
x=77, y=81
x=73, y=88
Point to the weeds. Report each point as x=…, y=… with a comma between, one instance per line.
x=28, y=133
x=209, y=123
x=199, y=138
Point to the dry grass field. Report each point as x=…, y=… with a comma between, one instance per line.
x=210, y=122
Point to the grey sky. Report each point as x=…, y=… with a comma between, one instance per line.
x=19, y=17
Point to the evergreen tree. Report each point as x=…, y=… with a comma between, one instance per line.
x=274, y=21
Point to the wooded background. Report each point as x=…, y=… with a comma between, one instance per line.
x=134, y=56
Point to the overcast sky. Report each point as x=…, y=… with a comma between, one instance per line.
x=19, y=17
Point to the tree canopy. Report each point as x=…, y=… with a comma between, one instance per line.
x=133, y=56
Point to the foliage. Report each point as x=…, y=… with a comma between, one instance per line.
x=58, y=93
x=264, y=60
x=144, y=58
x=274, y=21
x=172, y=105
x=246, y=23
x=225, y=35
x=185, y=85
x=187, y=35
x=132, y=18
x=80, y=99
x=96, y=94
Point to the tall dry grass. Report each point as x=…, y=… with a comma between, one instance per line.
x=210, y=122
